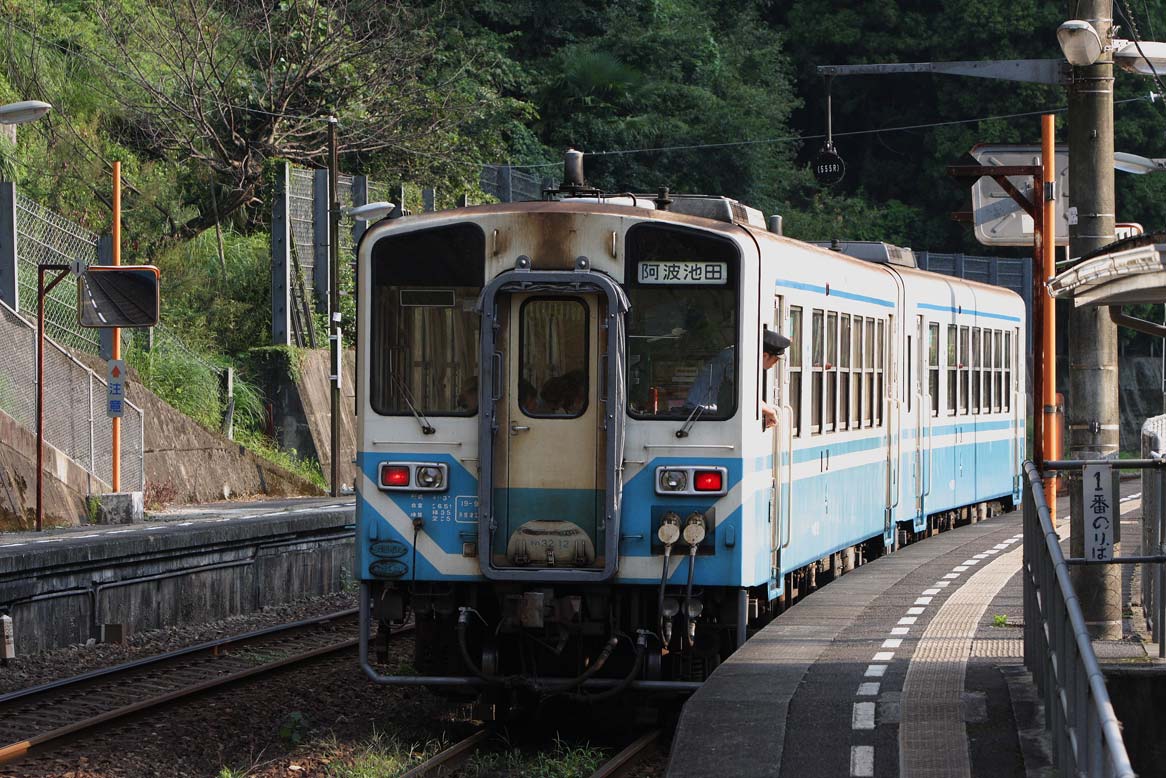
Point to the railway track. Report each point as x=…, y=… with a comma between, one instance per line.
x=35, y=717
x=448, y=762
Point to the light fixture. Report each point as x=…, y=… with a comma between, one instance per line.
x=23, y=112
x=371, y=212
x=1133, y=163
x=1145, y=58
x=1079, y=42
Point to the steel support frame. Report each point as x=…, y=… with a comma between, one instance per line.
x=41, y=292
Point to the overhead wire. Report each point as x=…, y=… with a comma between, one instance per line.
x=1123, y=10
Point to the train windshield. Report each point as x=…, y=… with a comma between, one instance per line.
x=682, y=326
x=423, y=354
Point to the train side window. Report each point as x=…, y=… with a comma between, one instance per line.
x=795, y=368
x=844, y=372
x=976, y=369
x=873, y=393
x=1008, y=371
x=830, y=402
x=933, y=366
x=908, y=384
x=952, y=368
x=880, y=357
x=856, y=379
x=964, y=362
x=817, y=358
x=997, y=351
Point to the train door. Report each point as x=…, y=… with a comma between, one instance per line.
x=921, y=412
x=548, y=483
x=778, y=390
x=889, y=399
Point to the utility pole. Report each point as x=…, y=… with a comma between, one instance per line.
x=1093, y=418
x=337, y=353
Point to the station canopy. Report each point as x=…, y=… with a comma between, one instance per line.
x=1126, y=272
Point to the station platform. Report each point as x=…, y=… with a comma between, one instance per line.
x=201, y=563
x=910, y=665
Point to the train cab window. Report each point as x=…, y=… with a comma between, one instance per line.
x=830, y=401
x=553, y=371
x=794, y=358
x=952, y=368
x=976, y=369
x=844, y=372
x=933, y=366
x=817, y=360
x=965, y=369
x=856, y=380
x=682, y=328
x=423, y=327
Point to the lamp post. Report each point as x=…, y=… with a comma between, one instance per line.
x=13, y=114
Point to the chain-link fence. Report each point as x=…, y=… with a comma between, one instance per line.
x=45, y=237
x=74, y=402
x=510, y=185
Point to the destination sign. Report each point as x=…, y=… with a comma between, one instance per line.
x=684, y=272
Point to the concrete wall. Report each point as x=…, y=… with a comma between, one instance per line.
x=60, y=594
x=195, y=464
x=66, y=483
x=297, y=385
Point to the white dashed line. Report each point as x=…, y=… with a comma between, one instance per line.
x=930, y=592
x=892, y=642
x=922, y=601
x=960, y=569
x=86, y=537
x=900, y=630
x=908, y=620
x=863, y=716
x=980, y=556
x=1134, y=496
x=883, y=656
x=862, y=761
x=12, y=545
x=185, y=524
x=1000, y=546
x=942, y=584
x=970, y=562
x=868, y=689
x=875, y=671
x=952, y=575
x=915, y=611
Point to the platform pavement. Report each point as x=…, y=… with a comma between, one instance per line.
x=899, y=668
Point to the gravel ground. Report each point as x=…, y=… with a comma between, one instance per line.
x=323, y=719
x=310, y=720
x=34, y=669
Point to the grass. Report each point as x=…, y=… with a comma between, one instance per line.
x=262, y=446
x=1000, y=620
x=563, y=761
x=382, y=756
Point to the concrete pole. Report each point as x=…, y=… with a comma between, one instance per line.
x=1093, y=420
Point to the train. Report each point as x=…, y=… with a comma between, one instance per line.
x=565, y=480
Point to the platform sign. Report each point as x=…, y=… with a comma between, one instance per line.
x=1099, y=503
x=999, y=220
x=115, y=392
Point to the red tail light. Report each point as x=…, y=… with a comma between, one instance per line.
x=395, y=475
x=707, y=481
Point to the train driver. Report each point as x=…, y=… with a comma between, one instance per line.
x=706, y=387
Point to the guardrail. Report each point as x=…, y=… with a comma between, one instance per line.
x=1059, y=653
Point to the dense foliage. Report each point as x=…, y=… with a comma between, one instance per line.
x=198, y=99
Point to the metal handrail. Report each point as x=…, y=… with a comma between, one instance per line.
x=1058, y=652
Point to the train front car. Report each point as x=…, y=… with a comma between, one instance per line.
x=563, y=466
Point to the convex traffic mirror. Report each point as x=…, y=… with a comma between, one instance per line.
x=118, y=296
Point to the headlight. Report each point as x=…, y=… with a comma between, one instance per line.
x=673, y=480
x=429, y=477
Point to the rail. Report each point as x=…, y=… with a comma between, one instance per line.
x=1059, y=653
